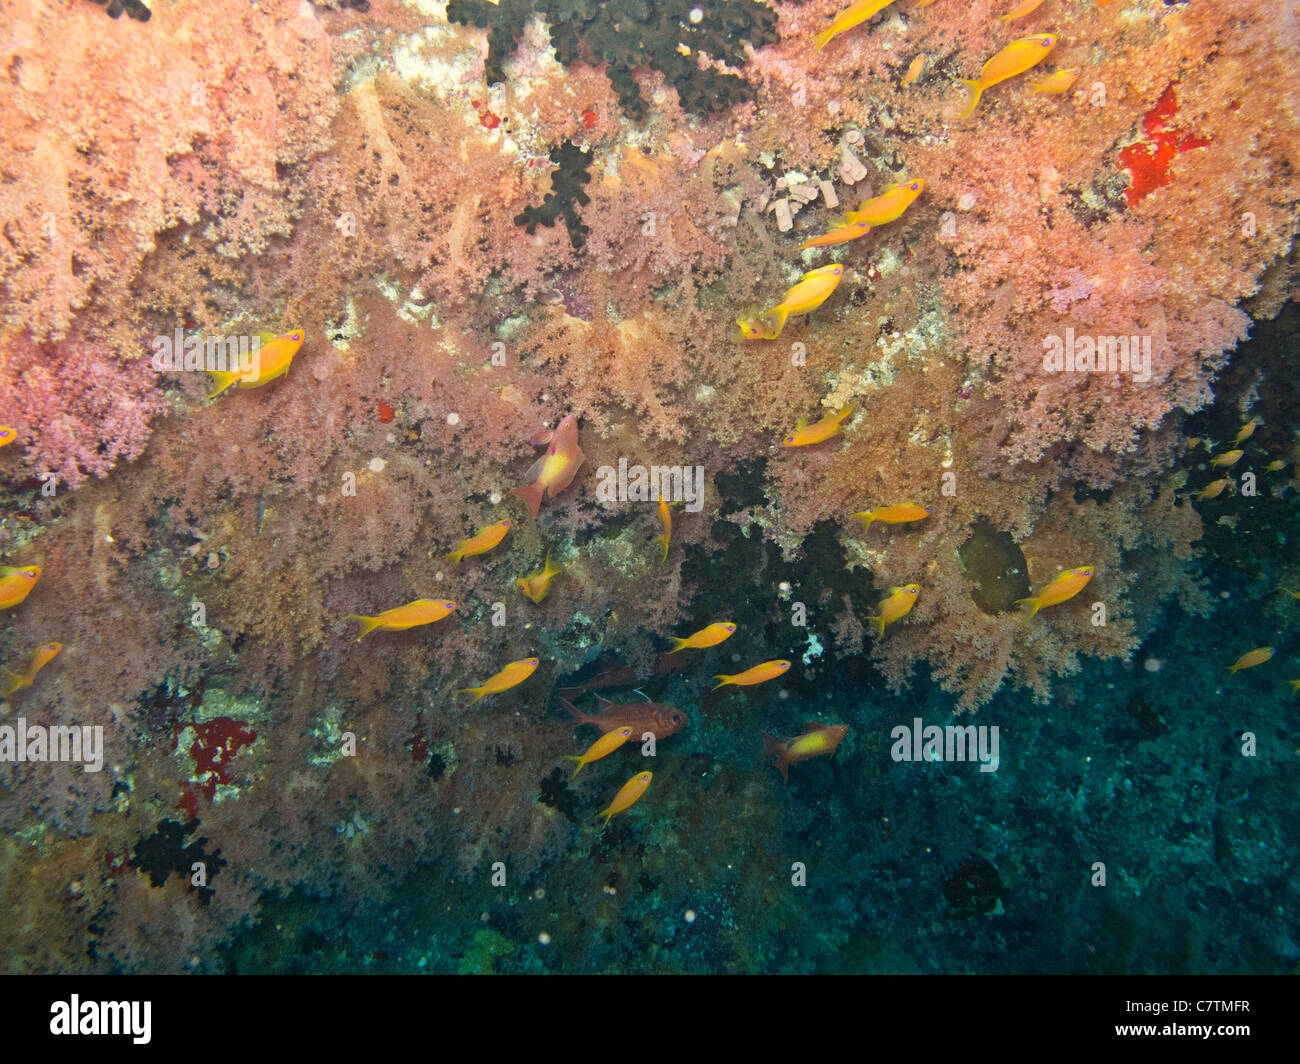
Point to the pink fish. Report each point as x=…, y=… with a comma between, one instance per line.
x=554, y=471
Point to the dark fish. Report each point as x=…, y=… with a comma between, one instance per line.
x=655, y=717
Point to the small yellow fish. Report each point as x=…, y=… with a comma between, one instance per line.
x=914, y=69
x=889, y=205
x=711, y=636
x=1252, y=658
x=817, y=741
x=804, y=435
x=7, y=435
x=274, y=356
x=758, y=674
x=627, y=797
x=481, y=542
x=1065, y=586
x=16, y=583
x=665, y=519
x=1227, y=458
x=899, y=604
x=1194, y=442
x=400, y=618
x=1295, y=687
x=853, y=15
x=1276, y=465
x=1059, y=81
x=1014, y=59
x=511, y=676
x=1212, y=490
x=1293, y=594
x=1247, y=430
x=12, y=681
x=605, y=745
x=538, y=585
x=1025, y=8
x=809, y=293
x=841, y=234
x=898, y=514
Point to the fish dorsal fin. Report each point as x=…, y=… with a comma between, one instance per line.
x=813, y=726
x=604, y=701
x=803, y=424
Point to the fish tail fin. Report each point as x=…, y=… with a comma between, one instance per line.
x=477, y=692
x=1295, y=687
x=368, y=624
x=724, y=678
x=880, y=621
x=10, y=682
x=974, y=90
x=773, y=747
x=664, y=540
x=532, y=496
x=224, y=380
x=681, y=644
x=608, y=814
x=824, y=38
x=1034, y=606
x=455, y=555
x=866, y=520
x=575, y=757
x=847, y=412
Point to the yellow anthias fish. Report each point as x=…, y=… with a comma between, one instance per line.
x=1247, y=430
x=511, y=676
x=711, y=636
x=627, y=796
x=7, y=435
x=400, y=618
x=914, y=69
x=818, y=740
x=899, y=514
x=1025, y=8
x=811, y=291
x=898, y=605
x=1251, y=659
x=1276, y=465
x=758, y=674
x=1065, y=586
x=481, y=542
x=1227, y=458
x=555, y=470
x=804, y=435
x=1014, y=59
x=13, y=681
x=1212, y=490
x=853, y=15
x=602, y=747
x=16, y=583
x=1295, y=687
x=1059, y=81
x=665, y=519
x=841, y=234
x=538, y=585
x=889, y=205
x=274, y=356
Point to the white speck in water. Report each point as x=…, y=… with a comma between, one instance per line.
x=376, y=465
x=453, y=418
x=697, y=14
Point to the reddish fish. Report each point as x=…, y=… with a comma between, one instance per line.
x=554, y=471
x=625, y=677
x=655, y=717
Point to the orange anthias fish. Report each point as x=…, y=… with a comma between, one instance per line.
x=481, y=542
x=1025, y=8
x=400, y=618
x=665, y=519
x=555, y=470
x=16, y=583
x=1065, y=586
x=711, y=636
x=758, y=674
x=853, y=15
x=511, y=676
x=1213, y=489
x=914, y=69
x=897, y=605
x=627, y=797
x=7, y=435
x=1227, y=458
x=1059, y=81
x=538, y=585
x=1014, y=59
x=841, y=234
x=1251, y=659
x=658, y=718
x=804, y=435
x=602, y=747
x=900, y=513
x=889, y=205
x=12, y=681
x=817, y=741
x=811, y=291
x=274, y=356
x=1247, y=430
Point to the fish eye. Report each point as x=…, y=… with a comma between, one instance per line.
x=789, y=439
x=915, y=186
x=295, y=336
